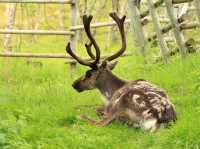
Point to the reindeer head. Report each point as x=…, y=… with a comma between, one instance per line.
x=98, y=69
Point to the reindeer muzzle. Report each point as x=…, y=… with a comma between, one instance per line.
x=77, y=87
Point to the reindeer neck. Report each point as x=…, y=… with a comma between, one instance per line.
x=108, y=83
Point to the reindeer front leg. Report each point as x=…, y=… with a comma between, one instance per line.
x=104, y=121
x=110, y=114
x=101, y=111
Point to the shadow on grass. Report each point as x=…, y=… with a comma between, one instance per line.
x=68, y=121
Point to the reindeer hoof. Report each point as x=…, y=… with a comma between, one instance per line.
x=101, y=111
x=84, y=117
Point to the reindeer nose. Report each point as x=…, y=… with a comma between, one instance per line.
x=77, y=87
x=74, y=85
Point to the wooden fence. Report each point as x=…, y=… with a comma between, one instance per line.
x=136, y=20
x=176, y=25
x=72, y=32
x=39, y=1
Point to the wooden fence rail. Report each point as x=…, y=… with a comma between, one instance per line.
x=71, y=29
x=50, y=55
x=183, y=26
x=191, y=25
x=34, y=55
x=38, y=1
x=109, y=24
x=181, y=1
x=35, y=32
x=160, y=2
x=97, y=25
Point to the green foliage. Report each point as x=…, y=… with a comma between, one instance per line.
x=40, y=110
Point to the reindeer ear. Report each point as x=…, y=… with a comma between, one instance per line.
x=112, y=65
x=108, y=65
x=104, y=64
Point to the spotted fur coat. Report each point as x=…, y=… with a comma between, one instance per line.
x=142, y=104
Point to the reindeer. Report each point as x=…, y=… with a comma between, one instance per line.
x=139, y=103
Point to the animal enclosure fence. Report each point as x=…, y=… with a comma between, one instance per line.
x=72, y=31
x=175, y=24
x=137, y=20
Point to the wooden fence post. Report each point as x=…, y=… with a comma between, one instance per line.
x=136, y=26
x=157, y=26
x=73, y=38
x=175, y=27
x=197, y=3
x=113, y=30
x=10, y=11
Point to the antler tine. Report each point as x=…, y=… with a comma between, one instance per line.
x=86, y=21
x=81, y=61
x=89, y=50
x=120, y=23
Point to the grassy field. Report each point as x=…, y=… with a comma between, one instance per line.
x=40, y=110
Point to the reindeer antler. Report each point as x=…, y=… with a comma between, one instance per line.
x=86, y=21
x=81, y=61
x=89, y=50
x=120, y=23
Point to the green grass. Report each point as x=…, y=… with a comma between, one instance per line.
x=40, y=110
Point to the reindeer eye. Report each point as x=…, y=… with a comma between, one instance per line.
x=88, y=74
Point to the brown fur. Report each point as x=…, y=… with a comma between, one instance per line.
x=135, y=102
x=138, y=102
